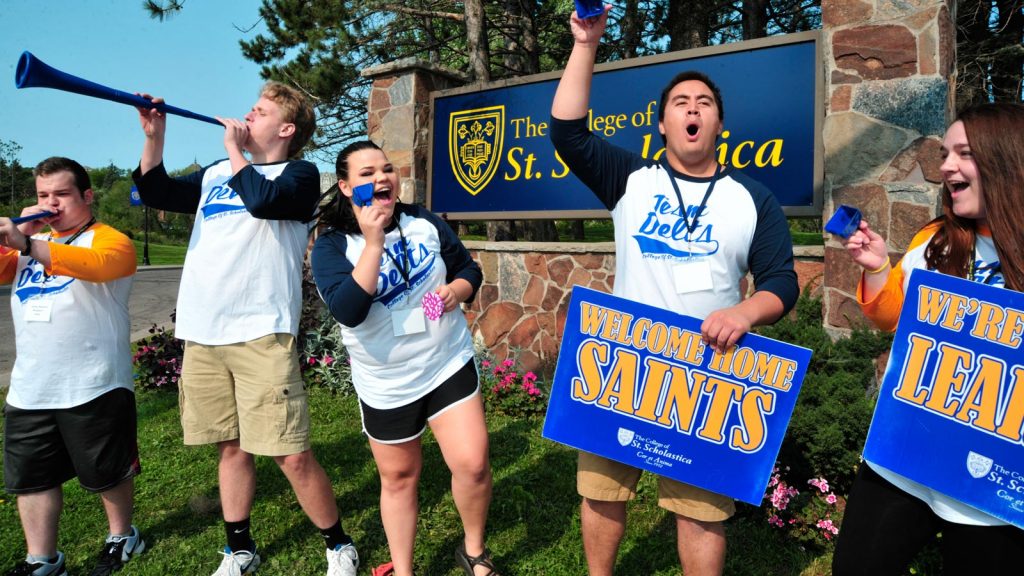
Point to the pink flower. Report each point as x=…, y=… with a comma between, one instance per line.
x=328, y=360
x=774, y=520
x=831, y=499
x=827, y=527
x=781, y=495
x=530, y=376
x=508, y=362
x=311, y=360
x=819, y=483
x=485, y=364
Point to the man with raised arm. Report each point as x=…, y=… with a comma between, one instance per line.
x=238, y=311
x=70, y=409
x=729, y=225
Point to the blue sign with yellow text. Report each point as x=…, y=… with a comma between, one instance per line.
x=950, y=413
x=636, y=384
x=491, y=153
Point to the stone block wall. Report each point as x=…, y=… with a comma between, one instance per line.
x=398, y=118
x=521, y=307
x=889, y=95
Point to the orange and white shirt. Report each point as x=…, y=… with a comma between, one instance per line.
x=884, y=310
x=71, y=323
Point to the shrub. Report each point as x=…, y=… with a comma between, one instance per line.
x=157, y=359
x=811, y=516
x=322, y=357
x=830, y=421
x=507, y=389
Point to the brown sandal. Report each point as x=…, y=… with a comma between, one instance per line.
x=467, y=562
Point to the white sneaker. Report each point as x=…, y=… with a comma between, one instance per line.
x=116, y=551
x=238, y=563
x=55, y=568
x=342, y=561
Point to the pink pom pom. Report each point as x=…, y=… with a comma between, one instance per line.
x=433, y=305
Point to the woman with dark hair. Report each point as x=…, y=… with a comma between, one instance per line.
x=889, y=518
x=386, y=270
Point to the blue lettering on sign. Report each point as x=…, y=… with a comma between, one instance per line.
x=664, y=225
x=34, y=281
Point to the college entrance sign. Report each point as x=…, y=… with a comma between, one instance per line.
x=636, y=384
x=950, y=413
x=491, y=156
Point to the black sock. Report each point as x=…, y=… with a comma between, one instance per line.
x=239, y=538
x=335, y=536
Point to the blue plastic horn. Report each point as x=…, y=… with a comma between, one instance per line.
x=589, y=8
x=34, y=73
x=22, y=219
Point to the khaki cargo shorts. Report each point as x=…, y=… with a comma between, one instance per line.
x=250, y=391
x=599, y=478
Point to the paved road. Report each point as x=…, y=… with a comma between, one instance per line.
x=153, y=296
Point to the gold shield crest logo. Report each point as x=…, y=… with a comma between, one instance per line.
x=475, y=141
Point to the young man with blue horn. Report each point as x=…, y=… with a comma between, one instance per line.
x=70, y=409
x=238, y=311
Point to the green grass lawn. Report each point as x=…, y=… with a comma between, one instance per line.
x=534, y=520
x=161, y=254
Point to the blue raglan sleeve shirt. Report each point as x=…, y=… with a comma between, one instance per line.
x=456, y=258
x=601, y=166
x=332, y=273
x=291, y=196
x=160, y=191
x=771, y=250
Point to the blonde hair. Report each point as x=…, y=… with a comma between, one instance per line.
x=295, y=109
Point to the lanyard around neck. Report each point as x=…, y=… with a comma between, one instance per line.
x=703, y=203
x=81, y=231
x=404, y=268
x=992, y=270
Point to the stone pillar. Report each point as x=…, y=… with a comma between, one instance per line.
x=889, y=67
x=398, y=119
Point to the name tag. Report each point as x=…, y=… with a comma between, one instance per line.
x=37, y=310
x=408, y=321
x=692, y=276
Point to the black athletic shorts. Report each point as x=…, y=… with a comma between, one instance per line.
x=405, y=423
x=95, y=441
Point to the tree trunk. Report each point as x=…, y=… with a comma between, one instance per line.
x=632, y=33
x=972, y=18
x=522, y=49
x=501, y=231
x=476, y=41
x=539, y=230
x=578, y=233
x=1008, y=55
x=687, y=24
x=755, y=19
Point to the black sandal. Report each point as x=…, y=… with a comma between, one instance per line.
x=467, y=562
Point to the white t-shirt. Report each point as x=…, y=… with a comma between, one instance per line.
x=72, y=335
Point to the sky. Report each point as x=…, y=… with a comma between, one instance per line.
x=192, y=59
